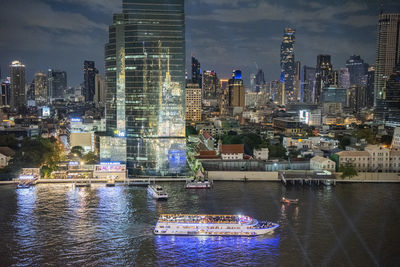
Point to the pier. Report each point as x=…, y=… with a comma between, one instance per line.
x=307, y=178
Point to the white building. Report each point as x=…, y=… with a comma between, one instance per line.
x=396, y=138
x=6, y=154
x=261, y=154
x=320, y=163
x=229, y=152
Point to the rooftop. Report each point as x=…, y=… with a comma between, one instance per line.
x=232, y=149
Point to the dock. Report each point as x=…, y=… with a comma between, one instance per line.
x=307, y=178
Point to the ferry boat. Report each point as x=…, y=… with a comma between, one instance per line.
x=23, y=185
x=198, y=185
x=212, y=225
x=157, y=192
x=289, y=200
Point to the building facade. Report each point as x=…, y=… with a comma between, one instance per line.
x=193, y=102
x=17, y=85
x=56, y=83
x=40, y=83
x=288, y=63
x=145, y=75
x=89, y=76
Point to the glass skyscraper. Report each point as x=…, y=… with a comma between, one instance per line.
x=287, y=63
x=145, y=76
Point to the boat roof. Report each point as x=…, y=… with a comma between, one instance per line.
x=207, y=218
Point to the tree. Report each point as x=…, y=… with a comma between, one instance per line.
x=344, y=141
x=190, y=130
x=77, y=150
x=90, y=158
x=367, y=134
x=348, y=171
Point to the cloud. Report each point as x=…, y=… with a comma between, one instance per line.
x=104, y=6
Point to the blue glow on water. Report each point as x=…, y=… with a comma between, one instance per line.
x=204, y=250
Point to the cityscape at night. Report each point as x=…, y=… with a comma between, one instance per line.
x=199, y=133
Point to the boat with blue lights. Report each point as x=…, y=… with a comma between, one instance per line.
x=212, y=225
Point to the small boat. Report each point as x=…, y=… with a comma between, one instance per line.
x=157, y=192
x=288, y=200
x=198, y=185
x=82, y=184
x=23, y=186
x=110, y=183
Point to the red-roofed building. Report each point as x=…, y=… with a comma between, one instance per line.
x=208, y=154
x=208, y=140
x=232, y=151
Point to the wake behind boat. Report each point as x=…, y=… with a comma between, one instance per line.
x=212, y=225
x=157, y=192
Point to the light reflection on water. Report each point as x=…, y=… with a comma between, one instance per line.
x=102, y=226
x=206, y=250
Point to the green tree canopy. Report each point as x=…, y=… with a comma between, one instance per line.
x=348, y=171
x=78, y=150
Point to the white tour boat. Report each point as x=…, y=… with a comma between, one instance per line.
x=212, y=225
x=157, y=192
x=198, y=185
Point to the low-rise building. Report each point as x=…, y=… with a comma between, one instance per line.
x=320, y=163
x=232, y=151
x=6, y=155
x=261, y=154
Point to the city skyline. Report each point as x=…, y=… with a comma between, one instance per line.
x=61, y=35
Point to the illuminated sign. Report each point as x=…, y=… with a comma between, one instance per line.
x=73, y=163
x=45, y=111
x=76, y=120
x=110, y=163
x=26, y=177
x=237, y=74
x=304, y=116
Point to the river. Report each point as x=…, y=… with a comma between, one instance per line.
x=58, y=225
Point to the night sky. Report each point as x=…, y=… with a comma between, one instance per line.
x=222, y=34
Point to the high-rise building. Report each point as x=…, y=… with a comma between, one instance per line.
x=252, y=82
x=307, y=76
x=387, y=52
x=358, y=70
x=323, y=76
x=344, y=78
x=5, y=93
x=260, y=81
x=288, y=63
x=89, y=75
x=236, y=91
x=17, y=85
x=370, y=86
x=356, y=97
x=210, y=84
x=297, y=81
x=56, y=83
x=334, y=94
x=100, y=92
x=40, y=84
x=196, y=71
x=145, y=75
x=393, y=98
x=193, y=102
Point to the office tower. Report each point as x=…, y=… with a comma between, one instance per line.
x=356, y=97
x=5, y=93
x=17, y=84
x=30, y=92
x=334, y=94
x=307, y=84
x=252, y=82
x=210, y=84
x=287, y=63
x=99, y=92
x=344, y=78
x=323, y=76
x=273, y=90
x=193, y=102
x=393, y=97
x=56, y=83
x=357, y=70
x=145, y=75
x=236, y=91
x=196, y=71
x=260, y=81
x=40, y=85
x=370, y=86
x=89, y=76
x=297, y=81
x=387, y=50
